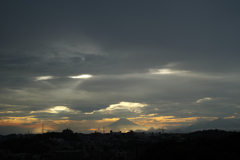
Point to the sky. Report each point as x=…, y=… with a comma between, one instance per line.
x=85, y=64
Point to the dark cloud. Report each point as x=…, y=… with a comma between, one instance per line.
x=120, y=44
x=155, y=33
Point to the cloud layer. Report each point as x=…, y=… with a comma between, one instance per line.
x=160, y=63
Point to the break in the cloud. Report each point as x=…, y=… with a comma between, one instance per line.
x=118, y=59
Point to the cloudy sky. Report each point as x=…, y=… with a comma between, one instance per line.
x=85, y=64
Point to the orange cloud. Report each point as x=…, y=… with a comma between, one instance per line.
x=107, y=120
x=93, y=129
x=14, y=121
x=158, y=122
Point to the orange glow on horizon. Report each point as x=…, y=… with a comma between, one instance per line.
x=92, y=125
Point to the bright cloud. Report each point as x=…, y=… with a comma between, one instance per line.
x=44, y=78
x=229, y=117
x=10, y=112
x=204, y=99
x=81, y=76
x=132, y=107
x=57, y=109
x=149, y=115
x=108, y=120
x=166, y=71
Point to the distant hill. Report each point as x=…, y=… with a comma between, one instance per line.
x=232, y=124
x=124, y=125
x=224, y=124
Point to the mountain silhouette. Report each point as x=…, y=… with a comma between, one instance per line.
x=124, y=125
x=224, y=124
x=232, y=124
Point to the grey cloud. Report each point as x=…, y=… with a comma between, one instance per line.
x=118, y=43
x=168, y=32
x=159, y=91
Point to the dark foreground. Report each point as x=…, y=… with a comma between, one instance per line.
x=215, y=144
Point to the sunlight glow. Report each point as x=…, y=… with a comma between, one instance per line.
x=44, y=78
x=89, y=113
x=166, y=71
x=81, y=76
x=10, y=112
x=57, y=109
